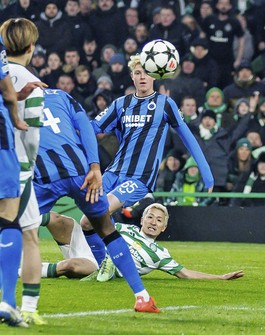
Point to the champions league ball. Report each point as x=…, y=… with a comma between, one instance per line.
x=159, y=59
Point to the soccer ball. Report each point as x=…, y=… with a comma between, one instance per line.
x=159, y=59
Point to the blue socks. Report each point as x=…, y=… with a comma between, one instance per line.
x=10, y=255
x=121, y=257
x=96, y=244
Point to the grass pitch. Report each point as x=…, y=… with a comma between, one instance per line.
x=189, y=307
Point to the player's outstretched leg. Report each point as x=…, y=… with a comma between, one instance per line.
x=122, y=259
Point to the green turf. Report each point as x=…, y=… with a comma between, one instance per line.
x=188, y=307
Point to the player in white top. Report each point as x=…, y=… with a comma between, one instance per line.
x=147, y=254
x=19, y=36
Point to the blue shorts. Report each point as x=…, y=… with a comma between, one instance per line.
x=126, y=189
x=48, y=194
x=9, y=176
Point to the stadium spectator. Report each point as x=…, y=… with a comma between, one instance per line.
x=188, y=107
x=258, y=120
x=141, y=34
x=244, y=86
x=254, y=137
x=194, y=29
x=52, y=71
x=119, y=75
x=66, y=83
x=217, y=143
x=86, y=8
x=90, y=53
x=132, y=19
x=242, y=110
x=204, y=8
x=185, y=83
x=106, y=53
x=79, y=28
x=250, y=182
x=214, y=100
x=147, y=9
x=29, y=9
x=7, y=9
x=206, y=67
x=170, y=165
x=240, y=160
x=38, y=61
x=105, y=82
x=221, y=40
x=170, y=29
x=156, y=18
x=106, y=21
x=189, y=180
x=19, y=52
x=249, y=47
x=10, y=232
x=258, y=66
x=129, y=48
x=71, y=60
x=102, y=98
x=55, y=33
x=85, y=84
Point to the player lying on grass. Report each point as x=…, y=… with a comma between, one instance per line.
x=146, y=253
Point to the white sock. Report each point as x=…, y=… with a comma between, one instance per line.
x=143, y=294
x=29, y=303
x=44, y=270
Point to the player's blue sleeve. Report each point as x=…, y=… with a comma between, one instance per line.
x=88, y=137
x=193, y=146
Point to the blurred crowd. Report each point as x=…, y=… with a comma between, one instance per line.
x=84, y=47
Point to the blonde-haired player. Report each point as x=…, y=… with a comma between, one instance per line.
x=19, y=36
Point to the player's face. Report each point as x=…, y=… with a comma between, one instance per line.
x=153, y=223
x=142, y=82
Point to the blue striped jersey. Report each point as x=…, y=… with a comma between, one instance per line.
x=67, y=141
x=6, y=126
x=141, y=125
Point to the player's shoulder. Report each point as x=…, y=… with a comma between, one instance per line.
x=126, y=227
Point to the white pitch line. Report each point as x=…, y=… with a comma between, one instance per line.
x=169, y=308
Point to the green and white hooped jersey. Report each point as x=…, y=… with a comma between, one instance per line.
x=30, y=110
x=146, y=253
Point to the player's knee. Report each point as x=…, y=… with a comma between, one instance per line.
x=30, y=237
x=85, y=224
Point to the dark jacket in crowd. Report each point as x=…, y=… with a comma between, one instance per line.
x=55, y=34
x=108, y=27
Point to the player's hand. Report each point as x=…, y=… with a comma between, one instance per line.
x=28, y=88
x=233, y=275
x=93, y=183
x=21, y=125
x=210, y=189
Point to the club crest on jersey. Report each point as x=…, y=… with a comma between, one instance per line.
x=151, y=106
